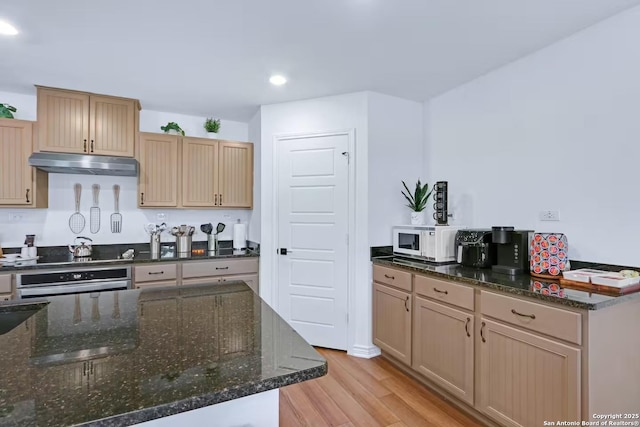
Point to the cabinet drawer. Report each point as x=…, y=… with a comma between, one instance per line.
x=554, y=322
x=5, y=284
x=392, y=277
x=219, y=267
x=163, y=284
x=155, y=273
x=458, y=295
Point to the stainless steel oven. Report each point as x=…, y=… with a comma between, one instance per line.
x=36, y=284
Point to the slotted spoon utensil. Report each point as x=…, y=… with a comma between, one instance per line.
x=77, y=221
x=116, y=216
x=94, y=212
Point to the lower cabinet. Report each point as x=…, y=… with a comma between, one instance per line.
x=392, y=321
x=443, y=347
x=526, y=379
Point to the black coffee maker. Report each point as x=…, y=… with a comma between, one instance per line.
x=474, y=248
x=512, y=250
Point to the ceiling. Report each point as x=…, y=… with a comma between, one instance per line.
x=214, y=57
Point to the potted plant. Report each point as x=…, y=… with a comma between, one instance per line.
x=417, y=201
x=6, y=111
x=173, y=128
x=212, y=126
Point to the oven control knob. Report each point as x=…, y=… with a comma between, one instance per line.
x=77, y=276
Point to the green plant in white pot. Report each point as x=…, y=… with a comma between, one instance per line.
x=417, y=201
x=212, y=126
x=6, y=111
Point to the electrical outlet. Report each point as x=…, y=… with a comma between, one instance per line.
x=549, y=216
x=162, y=217
x=226, y=216
x=15, y=217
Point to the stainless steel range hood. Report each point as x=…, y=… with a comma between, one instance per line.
x=84, y=164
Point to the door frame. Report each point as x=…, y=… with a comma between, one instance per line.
x=351, y=220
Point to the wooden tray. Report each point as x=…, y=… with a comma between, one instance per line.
x=600, y=289
x=545, y=276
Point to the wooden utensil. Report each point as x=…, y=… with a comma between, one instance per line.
x=94, y=213
x=77, y=221
x=116, y=217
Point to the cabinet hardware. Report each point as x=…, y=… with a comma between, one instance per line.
x=156, y=272
x=482, y=332
x=389, y=277
x=84, y=369
x=441, y=292
x=84, y=146
x=531, y=316
x=215, y=199
x=28, y=196
x=405, y=304
x=142, y=198
x=221, y=200
x=222, y=268
x=92, y=145
x=466, y=326
x=91, y=367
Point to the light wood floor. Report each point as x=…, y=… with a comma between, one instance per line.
x=367, y=393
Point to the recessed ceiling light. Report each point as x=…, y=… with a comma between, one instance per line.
x=277, y=80
x=7, y=29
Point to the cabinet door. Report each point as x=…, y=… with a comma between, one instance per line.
x=525, y=379
x=250, y=279
x=112, y=126
x=392, y=321
x=199, y=172
x=158, y=175
x=235, y=174
x=16, y=176
x=443, y=347
x=63, y=121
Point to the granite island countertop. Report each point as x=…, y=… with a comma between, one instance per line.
x=125, y=357
x=522, y=284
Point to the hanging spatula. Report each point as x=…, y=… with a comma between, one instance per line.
x=76, y=221
x=94, y=212
x=116, y=216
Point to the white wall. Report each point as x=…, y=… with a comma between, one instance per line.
x=51, y=225
x=255, y=127
x=334, y=113
x=558, y=130
x=395, y=154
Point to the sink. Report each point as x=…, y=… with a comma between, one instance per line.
x=12, y=317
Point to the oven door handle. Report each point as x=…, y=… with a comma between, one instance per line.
x=42, y=291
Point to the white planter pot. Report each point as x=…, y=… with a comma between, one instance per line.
x=174, y=132
x=212, y=135
x=417, y=218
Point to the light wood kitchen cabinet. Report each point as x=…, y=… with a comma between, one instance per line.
x=20, y=184
x=158, y=174
x=85, y=123
x=199, y=172
x=526, y=379
x=235, y=174
x=392, y=321
x=443, y=347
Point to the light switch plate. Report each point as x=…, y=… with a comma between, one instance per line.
x=549, y=216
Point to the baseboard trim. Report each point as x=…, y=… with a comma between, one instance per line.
x=364, y=352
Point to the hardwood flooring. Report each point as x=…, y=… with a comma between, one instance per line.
x=368, y=393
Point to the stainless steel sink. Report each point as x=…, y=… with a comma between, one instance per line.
x=11, y=317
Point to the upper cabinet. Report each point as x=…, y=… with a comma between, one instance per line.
x=209, y=173
x=20, y=184
x=85, y=123
x=158, y=174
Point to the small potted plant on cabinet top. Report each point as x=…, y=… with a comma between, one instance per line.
x=6, y=111
x=417, y=201
x=172, y=128
x=212, y=126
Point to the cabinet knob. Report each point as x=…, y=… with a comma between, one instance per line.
x=27, y=196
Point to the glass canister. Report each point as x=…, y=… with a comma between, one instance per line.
x=549, y=254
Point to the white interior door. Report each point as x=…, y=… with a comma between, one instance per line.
x=313, y=191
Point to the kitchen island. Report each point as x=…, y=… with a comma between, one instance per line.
x=167, y=356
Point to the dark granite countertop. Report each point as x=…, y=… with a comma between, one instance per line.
x=121, y=358
x=522, y=284
x=66, y=260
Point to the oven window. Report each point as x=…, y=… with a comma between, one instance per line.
x=409, y=241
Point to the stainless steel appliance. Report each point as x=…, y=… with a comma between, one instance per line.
x=512, y=249
x=36, y=284
x=84, y=164
x=474, y=248
x=83, y=250
x=430, y=243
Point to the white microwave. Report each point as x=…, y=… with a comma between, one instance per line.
x=426, y=242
